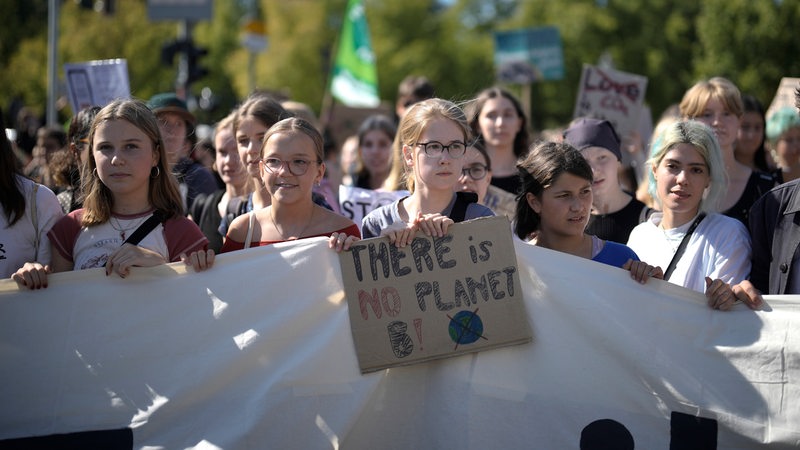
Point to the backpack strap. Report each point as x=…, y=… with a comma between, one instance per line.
x=463, y=200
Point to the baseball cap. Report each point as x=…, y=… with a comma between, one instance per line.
x=588, y=132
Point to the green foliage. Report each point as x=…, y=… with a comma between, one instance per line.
x=672, y=42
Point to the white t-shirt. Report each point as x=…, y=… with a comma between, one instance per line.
x=718, y=248
x=17, y=241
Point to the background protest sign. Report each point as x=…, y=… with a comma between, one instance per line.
x=528, y=55
x=612, y=95
x=96, y=83
x=502, y=202
x=258, y=352
x=355, y=203
x=435, y=298
x=784, y=96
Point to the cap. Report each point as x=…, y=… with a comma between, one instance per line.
x=588, y=132
x=780, y=121
x=169, y=102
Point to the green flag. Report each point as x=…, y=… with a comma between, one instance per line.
x=355, y=79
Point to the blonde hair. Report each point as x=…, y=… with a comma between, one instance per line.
x=296, y=125
x=416, y=121
x=697, y=97
x=163, y=193
x=701, y=137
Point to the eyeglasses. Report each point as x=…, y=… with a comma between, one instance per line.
x=476, y=171
x=296, y=167
x=455, y=149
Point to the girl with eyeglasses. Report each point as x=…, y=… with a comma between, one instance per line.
x=477, y=172
x=290, y=164
x=433, y=136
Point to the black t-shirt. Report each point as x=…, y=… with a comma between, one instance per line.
x=511, y=183
x=758, y=184
x=617, y=226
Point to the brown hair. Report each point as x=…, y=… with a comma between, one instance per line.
x=163, y=193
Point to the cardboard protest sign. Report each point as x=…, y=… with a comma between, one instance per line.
x=96, y=83
x=784, y=96
x=502, y=202
x=435, y=298
x=612, y=95
x=355, y=203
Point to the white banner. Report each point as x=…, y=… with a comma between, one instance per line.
x=257, y=353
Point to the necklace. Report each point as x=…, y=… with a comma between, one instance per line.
x=123, y=230
x=300, y=234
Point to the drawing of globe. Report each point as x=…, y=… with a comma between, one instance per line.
x=465, y=327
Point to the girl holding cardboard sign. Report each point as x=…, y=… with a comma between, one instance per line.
x=433, y=136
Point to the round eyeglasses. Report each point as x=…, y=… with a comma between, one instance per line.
x=476, y=171
x=455, y=149
x=296, y=166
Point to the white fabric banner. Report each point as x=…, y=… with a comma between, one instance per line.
x=257, y=353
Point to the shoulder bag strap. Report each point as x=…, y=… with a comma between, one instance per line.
x=682, y=247
x=35, y=221
x=145, y=228
x=251, y=222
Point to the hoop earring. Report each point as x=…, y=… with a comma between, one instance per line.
x=94, y=172
x=158, y=172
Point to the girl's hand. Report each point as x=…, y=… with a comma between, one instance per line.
x=32, y=275
x=435, y=225
x=130, y=255
x=720, y=294
x=341, y=241
x=748, y=294
x=400, y=233
x=641, y=271
x=199, y=260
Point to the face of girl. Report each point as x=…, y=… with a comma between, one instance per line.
x=605, y=170
x=376, y=152
x=681, y=177
x=249, y=135
x=564, y=206
x=751, y=133
x=228, y=163
x=788, y=148
x=474, y=164
x=499, y=122
x=124, y=156
x=439, y=172
x=290, y=168
x=173, y=132
x=724, y=123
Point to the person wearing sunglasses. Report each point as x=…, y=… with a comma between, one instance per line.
x=477, y=172
x=290, y=164
x=433, y=136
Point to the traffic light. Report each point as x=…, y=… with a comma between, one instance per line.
x=196, y=71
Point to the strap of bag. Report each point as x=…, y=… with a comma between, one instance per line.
x=35, y=221
x=145, y=228
x=250, y=224
x=463, y=200
x=682, y=247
